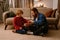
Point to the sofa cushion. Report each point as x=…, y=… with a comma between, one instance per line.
x=26, y=11
x=9, y=21
x=53, y=13
x=46, y=11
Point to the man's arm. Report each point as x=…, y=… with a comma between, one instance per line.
x=41, y=19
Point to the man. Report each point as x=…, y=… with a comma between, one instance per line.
x=39, y=26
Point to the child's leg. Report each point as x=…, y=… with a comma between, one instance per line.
x=21, y=31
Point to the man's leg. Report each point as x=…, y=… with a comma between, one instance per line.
x=41, y=30
x=32, y=28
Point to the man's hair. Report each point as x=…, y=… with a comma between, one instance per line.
x=19, y=12
x=35, y=10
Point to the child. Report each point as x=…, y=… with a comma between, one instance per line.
x=19, y=23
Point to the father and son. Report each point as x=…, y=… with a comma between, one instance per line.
x=38, y=26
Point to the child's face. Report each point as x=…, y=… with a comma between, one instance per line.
x=20, y=15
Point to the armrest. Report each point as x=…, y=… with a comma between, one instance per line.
x=51, y=19
x=5, y=16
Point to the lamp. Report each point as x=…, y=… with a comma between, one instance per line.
x=39, y=5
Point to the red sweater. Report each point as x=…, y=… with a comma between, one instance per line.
x=19, y=22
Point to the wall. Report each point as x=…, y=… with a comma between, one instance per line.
x=55, y=4
x=50, y=3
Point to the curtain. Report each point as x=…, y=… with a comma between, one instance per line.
x=21, y=3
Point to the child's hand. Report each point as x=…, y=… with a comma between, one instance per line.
x=30, y=21
x=20, y=28
x=26, y=24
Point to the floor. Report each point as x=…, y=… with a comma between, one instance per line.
x=9, y=35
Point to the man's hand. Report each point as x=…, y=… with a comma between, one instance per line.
x=28, y=23
x=32, y=21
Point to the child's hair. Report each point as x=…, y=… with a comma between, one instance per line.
x=19, y=12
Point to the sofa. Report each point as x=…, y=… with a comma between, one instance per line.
x=52, y=16
x=52, y=20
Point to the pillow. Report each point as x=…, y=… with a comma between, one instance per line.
x=48, y=13
x=11, y=14
x=53, y=14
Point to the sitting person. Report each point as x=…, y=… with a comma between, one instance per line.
x=19, y=22
x=40, y=25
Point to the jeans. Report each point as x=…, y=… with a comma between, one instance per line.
x=37, y=29
x=22, y=31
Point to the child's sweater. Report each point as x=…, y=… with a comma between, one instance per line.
x=19, y=22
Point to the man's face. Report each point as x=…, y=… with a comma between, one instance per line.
x=33, y=14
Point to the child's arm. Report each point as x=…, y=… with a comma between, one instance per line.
x=15, y=24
